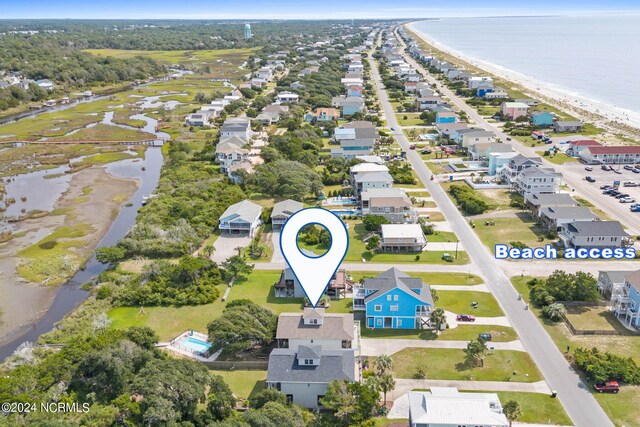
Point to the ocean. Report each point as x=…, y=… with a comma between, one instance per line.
x=595, y=57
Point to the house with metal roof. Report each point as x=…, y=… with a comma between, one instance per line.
x=538, y=180
x=399, y=238
x=626, y=305
x=611, y=283
x=241, y=218
x=447, y=407
x=560, y=126
x=394, y=300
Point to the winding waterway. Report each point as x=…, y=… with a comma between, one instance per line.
x=70, y=295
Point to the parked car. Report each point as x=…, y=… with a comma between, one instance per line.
x=630, y=184
x=635, y=208
x=508, y=138
x=622, y=196
x=465, y=318
x=608, y=387
x=588, y=169
x=618, y=171
x=606, y=187
x=485, y=337
x=425, y=151
x=627, y=200
x=412, y=147
x=605, y=167
x=628, y=167
x=393, y=129
x=635, y=170
x=590, y=178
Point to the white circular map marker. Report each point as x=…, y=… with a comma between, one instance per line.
x=314, y=273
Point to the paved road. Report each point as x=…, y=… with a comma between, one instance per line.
x=574, y=180
x=376, y=347
x=573, y=393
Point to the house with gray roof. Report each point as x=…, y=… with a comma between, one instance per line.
x=553, y=217
x=394, y=300
x=560, y=126
x=303, y=374
x=611, y=283
x=538, y=180
x=236, y=126
x=593, y=234
x=331, y=331
x=391, y=203
x=241, y=218
x=288, y=285
x=534, y=202
x=282, y=211
x=401, y=238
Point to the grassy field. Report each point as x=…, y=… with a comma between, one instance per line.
x=442, y=236
x=430, y=278
x=560, y=159
x=459, y=302
x=505, y=230
x=52, y=260
x=622, y=408
x=175, y=57
x=450, y=364
x=101, y=132
x=412, y=119
x=461, y=333
x=170, y=321
x=537, y=408
x=593, y=318
x=243, y=384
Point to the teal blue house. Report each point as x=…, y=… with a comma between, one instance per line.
x=394, y=300
x=541, y=118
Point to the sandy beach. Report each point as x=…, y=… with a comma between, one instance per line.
x=612, y=118
x=22, y=302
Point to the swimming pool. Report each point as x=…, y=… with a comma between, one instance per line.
x=346, y=211
x=345, y=201
x=195, y=344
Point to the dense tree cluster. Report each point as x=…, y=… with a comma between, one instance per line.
x=243, y=324
x=191, y=198
x=286, y=179
x=401, y=172
x=468, y=199
x=603, y=366
x=562, y=286
x=191, y=281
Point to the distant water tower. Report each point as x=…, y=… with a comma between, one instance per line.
x=247, y=32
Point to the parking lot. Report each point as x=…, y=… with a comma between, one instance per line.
x=607, y=203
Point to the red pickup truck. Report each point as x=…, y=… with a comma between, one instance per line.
x=608, y=387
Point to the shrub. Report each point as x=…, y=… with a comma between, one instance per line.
x=468, y=200
x=603, y=366
x=554, y=311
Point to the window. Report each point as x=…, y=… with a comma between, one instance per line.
x=379, y=322
x=399, y=322
x=377, y=307
x=308, y=361
x=388, y=297
x=395, y=297
x=393, y=308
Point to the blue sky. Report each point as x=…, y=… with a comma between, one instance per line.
x=298, y=9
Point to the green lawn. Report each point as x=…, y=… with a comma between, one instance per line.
x=622, y=408
x=451, y=364
x=413, y=119
x=506, y=230
x=243, y=384
x=174, y=56
x=537, y=408
x=461, y=333
x=430, y=278
x=101, y=132
x=560, y=159
x=442, y=236
x=460, y=302
x=170, y=321
x=598, y=318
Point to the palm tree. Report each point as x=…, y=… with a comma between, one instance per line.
x=512, y=411
x=382, y=364
x=437, y=319
x=386, y=384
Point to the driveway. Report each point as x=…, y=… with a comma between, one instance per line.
x=376, y=347
x=225, y=246
x=277, y=253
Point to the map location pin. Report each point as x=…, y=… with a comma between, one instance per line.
x=314, y=273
